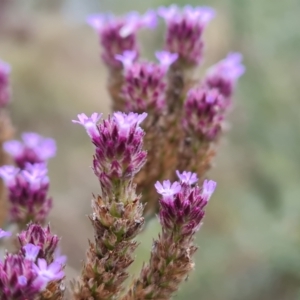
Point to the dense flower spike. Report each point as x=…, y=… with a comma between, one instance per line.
x=224, y=75
x=40, y=237
x=119, y=34
x=203, y=113
x=33, y=149
x=145, y=85
x=5, y=92
x=119, y=154
x=184, y=31
x=181, y=212
x=27, y=192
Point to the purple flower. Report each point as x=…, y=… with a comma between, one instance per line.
x=209, y=187
x=224, y=75
x=127, y=58
x=42, y=238
x=187, y=177
x=184, y=31
x=119, y=150
x=27, y=192
x=166, y=58
x=145, y=84
x=34, y=149
x=119, y=34
x=167, y=188
x=5, y=91
x=203, y=113
x=182, y=205
x=47, y=273
x=4, y=233
x=31, y=251
x=89, y=123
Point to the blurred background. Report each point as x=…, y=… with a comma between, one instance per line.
x=249, y=246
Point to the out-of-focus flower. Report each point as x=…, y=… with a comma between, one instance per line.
x=119, y=34
x=4, y=233
x=184, y=31
x=187, y=177
x=5, y=90
x=224, y=75
x=203, y=113
x=27, y=192
x=145, y=85
x=33, y=149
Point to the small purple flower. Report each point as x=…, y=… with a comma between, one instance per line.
x=167, y=188
x=119, y=34
x=209, y=187
x=27, y=192
x=127, y=58
x=34, y=149
x=47, y=273
x=4, y=233
x=166, y=58
x=224, y=75
x=89, y=123
x=5, y=91
x=31, y=251
x=184, y=31
x=187, y=177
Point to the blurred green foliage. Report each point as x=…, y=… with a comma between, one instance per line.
x=250, y=241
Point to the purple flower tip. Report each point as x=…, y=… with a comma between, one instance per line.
x=8, y=173
x=14, y=148
x=166, y=58
x=127, y=58
x=149, y=19
x=31, y=251
x=232, y=65
x=125, y=121
x=166, y=188
x=5, y=67
x=96, y=21
x=187, y=177
x=4, y=233
x=209, y=187
x=22, y=280
x=89, y=123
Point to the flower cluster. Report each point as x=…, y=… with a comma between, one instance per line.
x=118, y=141
x=26, y=275
x=119, y=34
x=27, y=192
x=33, y=149
x=182, y=203
x=5, y=91
x=145, y=85
x=184, y=31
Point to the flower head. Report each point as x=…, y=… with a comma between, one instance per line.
x=182, y=205
x=184, y=31
x=42, y=238
x=204, y=111
x=5, y=91
x=33, y=149
x=27, y=192
x=119, y=34
x=224, y=75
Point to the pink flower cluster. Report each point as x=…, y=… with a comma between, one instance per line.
x=26, y=274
